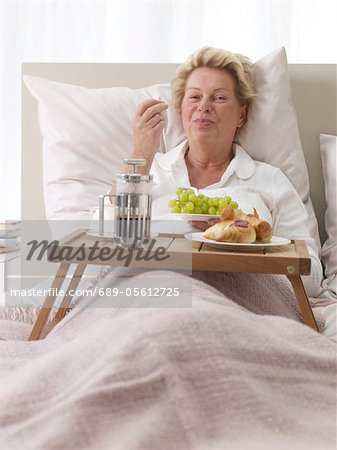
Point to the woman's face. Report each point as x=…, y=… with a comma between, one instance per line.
x=210, y=110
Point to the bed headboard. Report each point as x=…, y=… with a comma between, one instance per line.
x=314, y=96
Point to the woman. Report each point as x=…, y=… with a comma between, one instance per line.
x=212, y=92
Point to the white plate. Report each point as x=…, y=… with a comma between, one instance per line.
x=182, y=216
x=275, y=242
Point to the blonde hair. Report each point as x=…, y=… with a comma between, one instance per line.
x=238, y=65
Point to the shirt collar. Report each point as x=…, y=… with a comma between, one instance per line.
x=242, y=165
x=174, y=162
x=170, y=158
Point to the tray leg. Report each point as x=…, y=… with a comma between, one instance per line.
x=49, y=302
x=62, y=311
x=303, y=301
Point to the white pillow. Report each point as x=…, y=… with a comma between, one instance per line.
x=328, y=144
x=87, y=133
x=271, y=133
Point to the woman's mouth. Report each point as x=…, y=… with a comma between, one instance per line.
x=203, y=123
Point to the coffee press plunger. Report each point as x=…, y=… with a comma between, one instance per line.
x=132, y=206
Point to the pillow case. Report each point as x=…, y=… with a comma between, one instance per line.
x=271, y=133
x=328, y=145
x=86, y=135
x=88, y=132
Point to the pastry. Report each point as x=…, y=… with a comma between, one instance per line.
x=238, y=231
x=263, y=229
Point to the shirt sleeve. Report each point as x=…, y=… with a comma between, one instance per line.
x=290, y=219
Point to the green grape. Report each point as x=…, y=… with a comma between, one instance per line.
x=192, y=197
x=173, y=203
x=183, y=197
x=199, y=201
x=204, y=208
x=187, y=202
x=222, y=205
x=189, y=206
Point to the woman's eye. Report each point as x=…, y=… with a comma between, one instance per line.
x=220, y=98
x=193, y=97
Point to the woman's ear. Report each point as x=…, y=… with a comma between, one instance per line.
x=243, y=116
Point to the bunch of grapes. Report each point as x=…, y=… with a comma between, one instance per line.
x=188, y=202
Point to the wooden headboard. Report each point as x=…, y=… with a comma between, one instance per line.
x=314, y=96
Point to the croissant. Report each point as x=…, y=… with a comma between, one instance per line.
x=238, y=231
x=263, y=229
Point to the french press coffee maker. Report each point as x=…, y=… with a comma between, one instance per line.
x=132, y=206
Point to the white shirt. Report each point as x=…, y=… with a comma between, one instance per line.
x=251, y=184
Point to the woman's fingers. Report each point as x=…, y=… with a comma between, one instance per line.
x=203, y=224
x=211, y=222
x=149, y=115
x=149, y=109
x=146, y=105
x=155, y=120
x=148, y=125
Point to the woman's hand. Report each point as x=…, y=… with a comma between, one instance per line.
x=204, y=224
x=148, y=125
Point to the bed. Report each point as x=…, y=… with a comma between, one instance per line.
x=238, y=370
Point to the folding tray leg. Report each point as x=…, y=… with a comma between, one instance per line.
x=303, y=301
x=63, y=308
x=49, y=302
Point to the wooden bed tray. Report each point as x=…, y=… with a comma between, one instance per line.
x=291, y=260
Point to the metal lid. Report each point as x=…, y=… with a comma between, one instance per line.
x=134, y=177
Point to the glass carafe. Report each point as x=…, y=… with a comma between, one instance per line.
x=132, y=206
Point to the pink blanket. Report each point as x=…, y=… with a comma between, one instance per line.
x=217, y=376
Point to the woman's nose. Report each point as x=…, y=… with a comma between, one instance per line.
x=204, y=106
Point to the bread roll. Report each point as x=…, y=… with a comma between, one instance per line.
x=228, y=213
x=237, y=231
x=263, y=229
